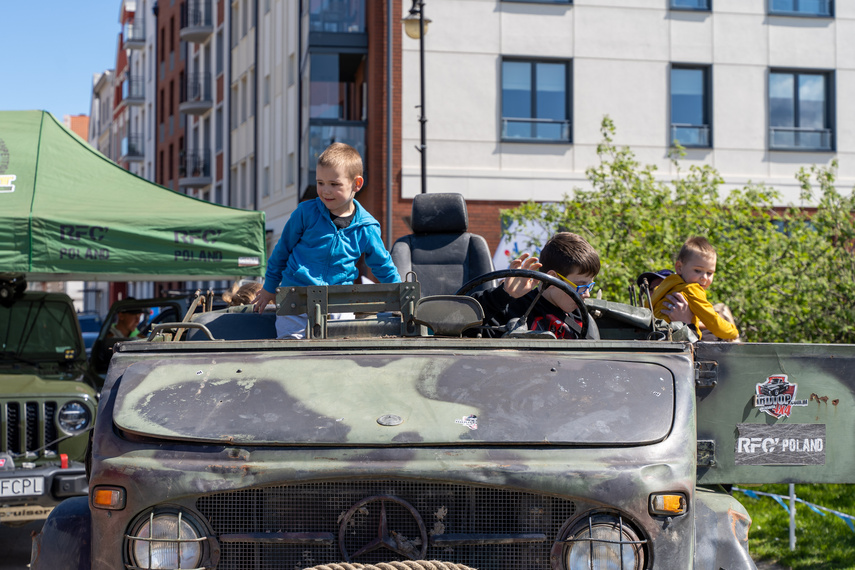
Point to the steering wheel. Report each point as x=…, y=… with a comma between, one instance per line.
x=543, y=278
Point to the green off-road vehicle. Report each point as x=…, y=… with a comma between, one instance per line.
x=396, y=437
x=47, y=403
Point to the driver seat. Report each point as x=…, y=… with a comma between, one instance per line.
x=441, y=251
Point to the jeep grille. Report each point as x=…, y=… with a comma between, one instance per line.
x=28, y=426
x=299, y=526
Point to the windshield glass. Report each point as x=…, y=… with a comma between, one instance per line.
x=38, y=330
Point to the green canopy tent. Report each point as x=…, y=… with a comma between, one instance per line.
x=69, y=213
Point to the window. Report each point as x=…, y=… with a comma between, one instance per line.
x=219, y=52
x=821, y=8
x=337, y=16
x=691, y=5
x=218, y=130
x=536, y=101
x=690, y=106
x=800, y=110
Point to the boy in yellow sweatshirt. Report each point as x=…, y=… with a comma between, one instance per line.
x=694, y=272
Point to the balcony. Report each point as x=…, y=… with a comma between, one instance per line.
x=132, y=149
x=196, y=94
x=134, y=35
x=697, y=136
x=194, y=169
x=133, y=90
x=794, y=138
x=197, y=21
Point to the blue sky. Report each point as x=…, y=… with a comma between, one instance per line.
x=51, y=49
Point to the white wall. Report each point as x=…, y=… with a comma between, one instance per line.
x=621, y=53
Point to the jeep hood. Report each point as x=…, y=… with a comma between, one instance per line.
x=427, y=398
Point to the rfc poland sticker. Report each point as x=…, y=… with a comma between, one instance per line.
x=776, y=396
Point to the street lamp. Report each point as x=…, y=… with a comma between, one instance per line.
x=416, y=26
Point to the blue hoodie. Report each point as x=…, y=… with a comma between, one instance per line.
x=313, y=251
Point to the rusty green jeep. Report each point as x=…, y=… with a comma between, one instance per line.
x=393, y=437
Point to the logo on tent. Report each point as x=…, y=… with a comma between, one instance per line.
x=6, y=182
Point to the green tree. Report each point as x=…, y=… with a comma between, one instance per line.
x=788, y=274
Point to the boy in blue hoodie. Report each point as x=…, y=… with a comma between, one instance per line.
x=324, y=238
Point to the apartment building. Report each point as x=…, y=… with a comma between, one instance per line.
x=517, y=90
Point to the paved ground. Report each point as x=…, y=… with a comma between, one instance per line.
x=15, y=545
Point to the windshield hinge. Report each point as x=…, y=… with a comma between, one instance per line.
x=706, y=373
x=706, y=453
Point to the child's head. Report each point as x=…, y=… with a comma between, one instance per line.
x=339, y=177
x=696, y=262
x=241, y=294
x=569, y=257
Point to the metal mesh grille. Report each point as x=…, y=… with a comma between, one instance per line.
x=480, y=527
x=28, y=426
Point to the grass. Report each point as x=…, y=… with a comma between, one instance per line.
x=822, y=542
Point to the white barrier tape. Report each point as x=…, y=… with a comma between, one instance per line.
x=848, y=519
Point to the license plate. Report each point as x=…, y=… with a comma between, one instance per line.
x=22, y=486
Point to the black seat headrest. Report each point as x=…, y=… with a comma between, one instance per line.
x=439, y=214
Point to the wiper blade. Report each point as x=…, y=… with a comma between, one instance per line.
x=8, y=355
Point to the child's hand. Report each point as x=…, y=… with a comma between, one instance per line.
x=516, y=287
x=677, y=308
x=262, y=300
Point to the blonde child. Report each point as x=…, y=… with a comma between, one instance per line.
x=694, y=271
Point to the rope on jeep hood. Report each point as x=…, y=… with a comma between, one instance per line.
x=395, y=565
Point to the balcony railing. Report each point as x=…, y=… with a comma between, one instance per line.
x=794, y=138
x=134, y=35
x=133, y=90
x=197, y=21
x=690, y=5
x=196, y=94
x=818, y=8
x=690, y=135
x=132, y=148
x=536, y=130
x=194, y=168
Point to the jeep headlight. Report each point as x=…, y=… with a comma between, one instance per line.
x=74, y=417
x=602, y=542
x=165, y=540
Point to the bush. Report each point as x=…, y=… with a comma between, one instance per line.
x=788, y=273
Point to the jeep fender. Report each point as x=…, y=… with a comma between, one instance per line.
x=65, y=539
x=721, y=531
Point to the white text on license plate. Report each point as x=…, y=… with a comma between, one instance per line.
x=22, y=486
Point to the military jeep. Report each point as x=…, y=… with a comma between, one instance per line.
x=47, y=404
x=396, y=437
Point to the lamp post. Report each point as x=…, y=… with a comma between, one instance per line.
x=416, y=26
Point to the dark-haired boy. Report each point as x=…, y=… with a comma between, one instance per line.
x=568, y=257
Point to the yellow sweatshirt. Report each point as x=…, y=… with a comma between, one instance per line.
x=701, y=308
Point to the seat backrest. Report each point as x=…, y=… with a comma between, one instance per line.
x=441, y=251
x=235, y=326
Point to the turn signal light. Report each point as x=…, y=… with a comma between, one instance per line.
x=110, y=498
x=667, y=504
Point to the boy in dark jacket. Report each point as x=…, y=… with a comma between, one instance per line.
x=566, y=256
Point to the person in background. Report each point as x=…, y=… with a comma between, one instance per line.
x=242, y=294
x=324, y=238
x=694, y=271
